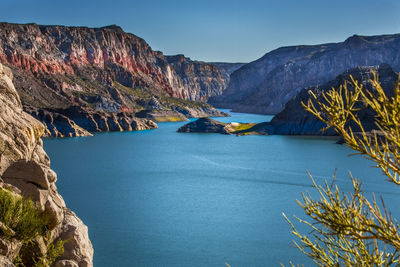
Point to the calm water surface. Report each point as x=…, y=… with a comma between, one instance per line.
x=161, y=198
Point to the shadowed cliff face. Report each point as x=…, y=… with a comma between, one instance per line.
x=294, y=120
x=25, y=170
x=265, y=85
x=105, y=72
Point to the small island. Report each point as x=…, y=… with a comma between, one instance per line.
x=207, y=125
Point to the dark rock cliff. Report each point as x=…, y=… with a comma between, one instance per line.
x=267, y=84
x=105, y=73
x=294, y=120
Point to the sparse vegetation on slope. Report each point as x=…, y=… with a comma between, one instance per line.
x=19, y=217
x=22, y=221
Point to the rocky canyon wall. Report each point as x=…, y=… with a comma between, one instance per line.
x=79, y=80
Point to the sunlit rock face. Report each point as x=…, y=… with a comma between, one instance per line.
x=267, y=84
x=198, y=80
x=25, y=170
x=105, y=72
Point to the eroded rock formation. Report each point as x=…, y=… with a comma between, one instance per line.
x=25, y=168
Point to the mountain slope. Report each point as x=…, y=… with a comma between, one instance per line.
x=104, y=73
x=265, y=85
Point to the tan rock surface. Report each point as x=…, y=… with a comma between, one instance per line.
x=25, y=168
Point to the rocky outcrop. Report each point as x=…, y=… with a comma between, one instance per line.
x=25, y=169
x=294, y=120
x=207, y=125
x=204, y=125
x=107, y=73
x=267, y=84
x=64, y=122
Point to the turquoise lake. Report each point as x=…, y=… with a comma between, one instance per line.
x=162, y=198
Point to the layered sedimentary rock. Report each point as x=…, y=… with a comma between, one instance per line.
x=267, y=84
x=105, y=72
x=201, y=80
x=294, y=120
x=25, y=169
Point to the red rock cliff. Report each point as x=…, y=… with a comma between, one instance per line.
x=78, y=80
x=114, y=54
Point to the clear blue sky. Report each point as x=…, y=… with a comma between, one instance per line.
x=218, y=30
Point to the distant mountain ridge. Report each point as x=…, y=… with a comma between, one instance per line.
x=104, y=75
x=267, y=84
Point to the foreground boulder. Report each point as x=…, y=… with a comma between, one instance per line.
x=25, y=170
